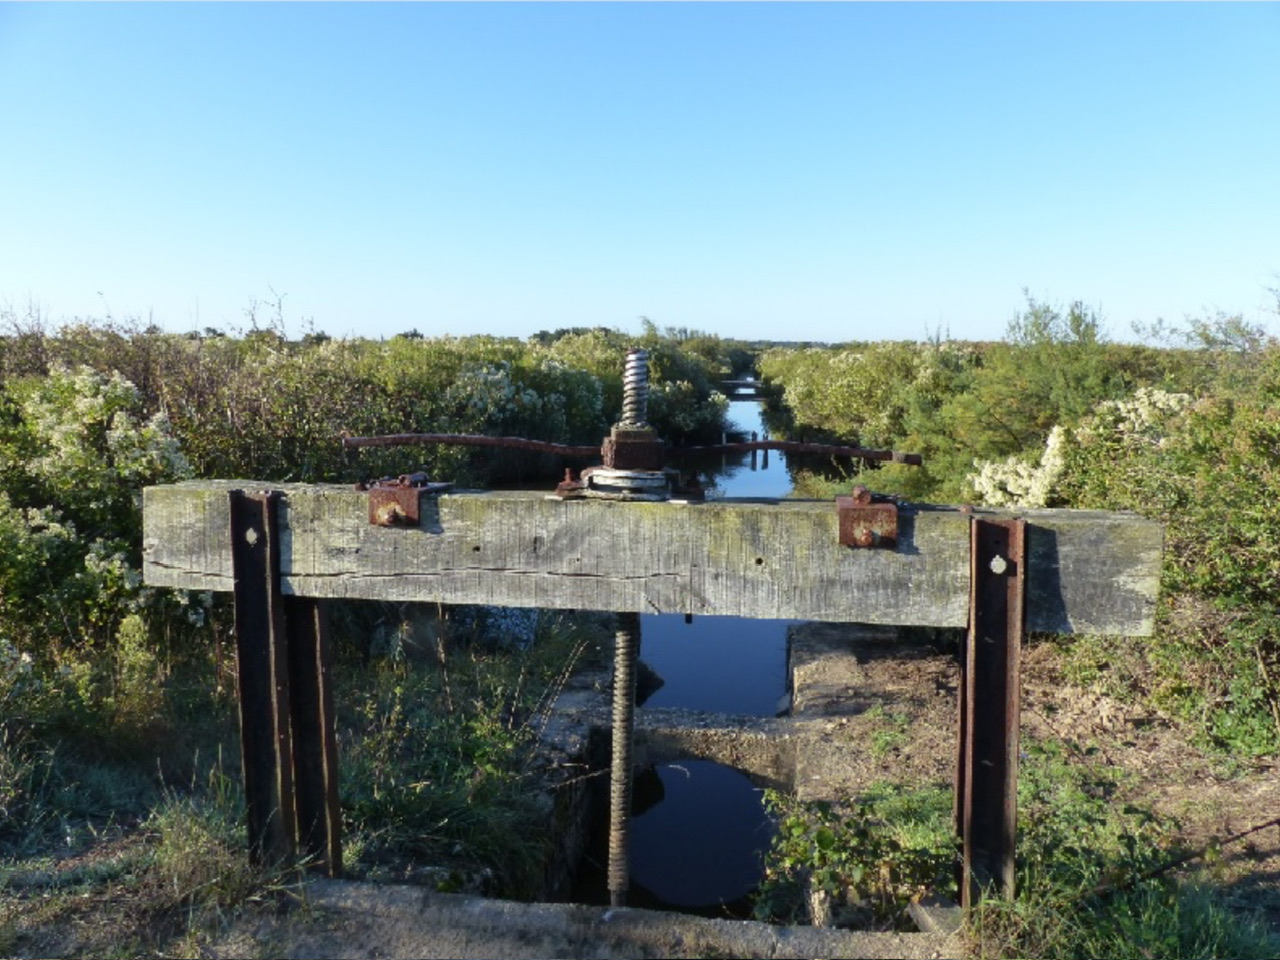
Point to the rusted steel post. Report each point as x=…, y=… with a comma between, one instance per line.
x=990, y=692
x=263, y=677
x=315, y=749
x=626, y=651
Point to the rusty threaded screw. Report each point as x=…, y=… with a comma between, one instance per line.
x=635, y=389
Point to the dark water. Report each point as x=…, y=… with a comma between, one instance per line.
x=721, y=664
x=689, y=856
x=701, y=846
x=724, y=664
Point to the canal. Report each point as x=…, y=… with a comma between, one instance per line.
x=700, y=831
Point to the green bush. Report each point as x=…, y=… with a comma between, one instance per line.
x=1208, y=469
x=866, y=861
x=438, y=747
x=75, y=449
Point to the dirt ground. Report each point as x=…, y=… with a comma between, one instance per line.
x=1170, y=776
x=904, y=708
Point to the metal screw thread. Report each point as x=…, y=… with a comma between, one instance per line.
x=635, y=389
x=626, y=650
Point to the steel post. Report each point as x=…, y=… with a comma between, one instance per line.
x=263, y=677
x=315, y=749
x=987, y=763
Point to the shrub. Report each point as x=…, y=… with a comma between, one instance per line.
x=75, y=449
x=1208, y=470
x=864, y=861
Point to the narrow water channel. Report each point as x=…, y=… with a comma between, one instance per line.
x=701, y=846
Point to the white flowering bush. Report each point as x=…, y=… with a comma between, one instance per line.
x=1016, y=482
x=1208, y=468
x=1146, y=419
x=487, y=396
x=76, y=448
x=17, y=678
x=83, y=445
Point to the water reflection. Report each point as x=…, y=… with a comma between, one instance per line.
x=720, y=664
x=702, y=844
x=732, y=475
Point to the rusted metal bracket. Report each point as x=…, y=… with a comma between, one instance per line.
x=986, y=797
x=867, y=519
x=397, y=501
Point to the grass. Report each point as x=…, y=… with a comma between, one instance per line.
x=1082, y=884
x=117, y=866
x=440, y=760
x=1084, y=888
x=890, y=731
x=107, y=852
x=110, y=853
x=865, y=861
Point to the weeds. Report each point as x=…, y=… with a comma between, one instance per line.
x=439, y=759
x=859, y=865
x=1088, y=877
x=890, y=732
x=440, y=789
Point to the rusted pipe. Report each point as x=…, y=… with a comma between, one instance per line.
x=468, y=440
x=566, y=450
x=796, y=446
x=626, y=651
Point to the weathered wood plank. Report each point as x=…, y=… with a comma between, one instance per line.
x=1088, y=573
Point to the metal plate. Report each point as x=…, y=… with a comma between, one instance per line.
x=867, y=524
x=395, y=506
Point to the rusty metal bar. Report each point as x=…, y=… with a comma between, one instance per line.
x=315, y=749
x=543, y=446
x=626, y=652
x=990, y=692
x=795, y=446
x=468, y=440
x=263, y=677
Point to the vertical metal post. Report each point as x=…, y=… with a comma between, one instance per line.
x=626, y=651
x=990, y=693
x=315, y=749
x=263, y=677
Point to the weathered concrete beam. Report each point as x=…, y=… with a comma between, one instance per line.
x=1088, y=572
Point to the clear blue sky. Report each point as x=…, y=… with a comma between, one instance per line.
x=782, y=171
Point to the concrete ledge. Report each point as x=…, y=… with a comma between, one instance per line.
x=359, y=920
x=760, y=747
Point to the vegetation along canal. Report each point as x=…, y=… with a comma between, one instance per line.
x=700, y=831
